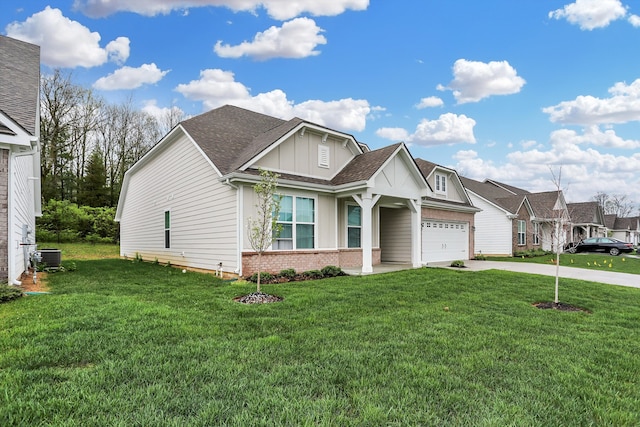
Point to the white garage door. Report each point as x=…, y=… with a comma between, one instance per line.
x=444, y=241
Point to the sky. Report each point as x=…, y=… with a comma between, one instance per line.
x=515, y=91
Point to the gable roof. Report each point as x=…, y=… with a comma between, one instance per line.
x=365, y=165
x=586, y=213
x=19, y=85
x=613, y=222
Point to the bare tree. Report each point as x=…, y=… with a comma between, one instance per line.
x=264, y=229
x=616, y=204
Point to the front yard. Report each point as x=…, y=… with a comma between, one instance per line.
x=128, y=343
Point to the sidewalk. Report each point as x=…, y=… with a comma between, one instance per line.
x=600, y=276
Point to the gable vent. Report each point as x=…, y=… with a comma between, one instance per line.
x=323, y=156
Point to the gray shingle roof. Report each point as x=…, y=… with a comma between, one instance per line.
x=363, y=166
x=585, y=213
x=19, y=82
x=613, y=222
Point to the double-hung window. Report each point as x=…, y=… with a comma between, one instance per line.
x=167, y=229
x=522, y=232
x=354, y=226
x=297, y=223
x=536, y=233
x=441, y=184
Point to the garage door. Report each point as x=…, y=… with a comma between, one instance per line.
x=444, y=241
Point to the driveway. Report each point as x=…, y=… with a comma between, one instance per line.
x=600, y=276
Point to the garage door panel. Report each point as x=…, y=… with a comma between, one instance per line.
x=444, y=241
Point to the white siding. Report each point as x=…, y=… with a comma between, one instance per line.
x=395, y=179
x=395, y=235
x=22, y=212
x=203, y=211
x=493, y=232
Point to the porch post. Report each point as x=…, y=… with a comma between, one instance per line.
x=416, y=232
x=367, y=202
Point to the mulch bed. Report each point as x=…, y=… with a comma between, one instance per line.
x=257, y=298
x=28, y=285
x=559, y=306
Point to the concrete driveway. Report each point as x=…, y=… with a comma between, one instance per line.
x=600, y=276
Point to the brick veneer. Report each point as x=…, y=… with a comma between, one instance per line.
x=4, y=214
x=276, y=261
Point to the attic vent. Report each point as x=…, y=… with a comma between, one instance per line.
x=323, y=156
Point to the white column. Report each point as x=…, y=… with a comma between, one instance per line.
x=416, y=232
x=367, y=202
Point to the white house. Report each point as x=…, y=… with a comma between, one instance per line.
x=19, y=155
x=188, y=200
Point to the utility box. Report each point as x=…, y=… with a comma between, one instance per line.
x=51, y=258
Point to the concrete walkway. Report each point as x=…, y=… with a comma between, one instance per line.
x=600, y=276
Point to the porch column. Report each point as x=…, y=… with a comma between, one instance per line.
x=367, y=202
x=416, y=231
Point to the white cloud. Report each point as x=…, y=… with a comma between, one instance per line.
x=277, y=9
x=591, y=14
x=449, y=128
x=295, y=39
x=218, y=87
x=622, y=107
x=130, y=78
x=475, y=80
x=432, y=101
x=594, y=136
x=584, y=171
x=67, y=43
x=393, y=134
x=634, y=20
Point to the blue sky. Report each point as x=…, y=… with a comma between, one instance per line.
x=502, y=89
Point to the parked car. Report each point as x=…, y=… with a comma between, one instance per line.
x=601, y=244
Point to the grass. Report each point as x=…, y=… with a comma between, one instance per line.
x=620, y=264
x=126, y=343
x=83, y=251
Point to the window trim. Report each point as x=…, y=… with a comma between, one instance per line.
x=440, y=183
x=536, y=234
x=294, y=223
x=522, y=233
x=359, y=227
x=167, y=228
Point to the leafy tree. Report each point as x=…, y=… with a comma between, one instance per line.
x=264, y=229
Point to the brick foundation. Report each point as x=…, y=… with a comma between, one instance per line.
x=276, y=261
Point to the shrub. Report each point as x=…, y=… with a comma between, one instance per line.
x=480, y=257
x=457, y=263
x=531, y=253
x=331, y=271
x=313, y=274
x=264, y=277
x=9, y=293
x=289, y=273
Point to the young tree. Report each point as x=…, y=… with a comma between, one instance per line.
x=264, y=229
x=558, y=232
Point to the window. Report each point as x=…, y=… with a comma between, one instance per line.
x=441, y=184
x=522, y=232
x=167, y=229
x=536, y=233
x=297, y=219
x=354, y=226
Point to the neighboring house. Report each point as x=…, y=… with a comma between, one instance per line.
x=189, y=199
x=448, y=216
x=514, y=220
x=625, y=229
x=19, y=155
x=587, y=220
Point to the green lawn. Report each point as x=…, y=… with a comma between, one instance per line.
x=127, y=343
x=621, y=263
x=83, y=251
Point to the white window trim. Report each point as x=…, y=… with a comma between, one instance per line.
x=165, y=229
x=346, y=221
x=294, y=222
x=536, y=233
x=440, y=184
x=523, y=233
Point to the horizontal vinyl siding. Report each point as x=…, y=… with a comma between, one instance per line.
x=493, y=229
x=203, y=211
x=395, y=235
x=23, y=211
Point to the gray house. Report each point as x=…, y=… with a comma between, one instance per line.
x=19, y=155
x=189, y=199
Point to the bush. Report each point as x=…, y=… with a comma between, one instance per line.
x=9, y=293
x=457, y=263
x=531, y=253
x=312, y=274
x=264, y=277
x=331, y=271
x=480, y=257
x=289, y=273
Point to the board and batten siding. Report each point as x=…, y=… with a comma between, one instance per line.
x=203, y=211
x=23, y=211
x=395, y=235
x=493, y=234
